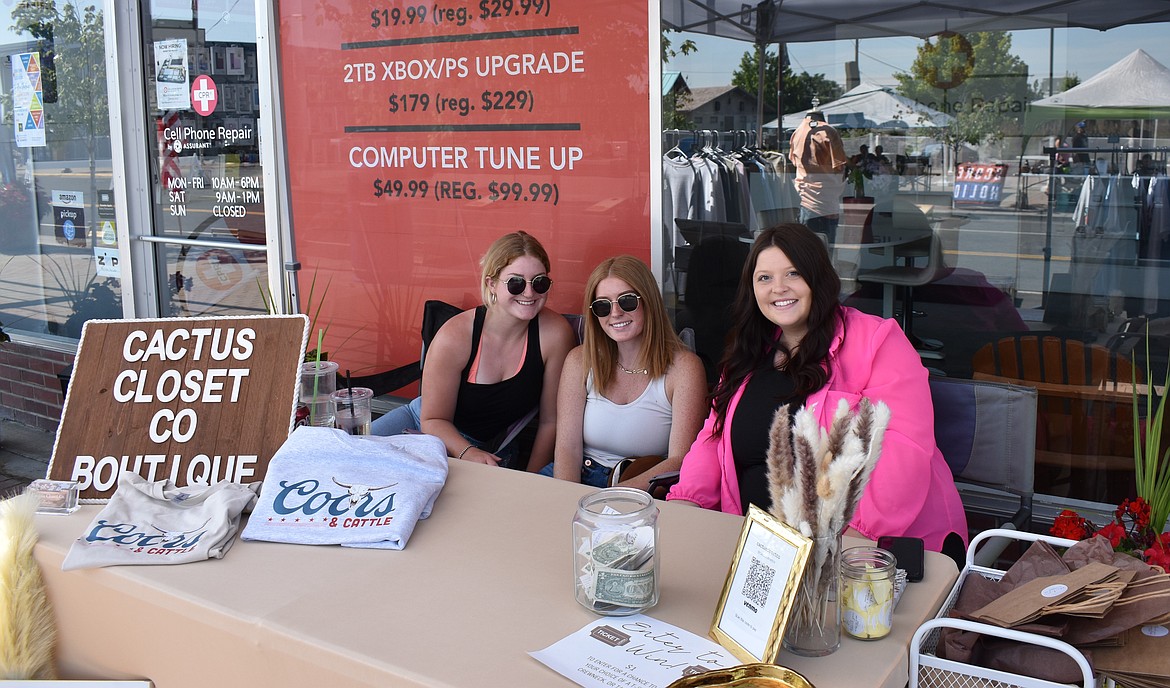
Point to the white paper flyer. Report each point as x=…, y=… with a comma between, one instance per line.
x=28, y=109
x=172, y=81
x=636, y=651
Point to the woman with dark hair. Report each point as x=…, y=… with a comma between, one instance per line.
x=488, y=367
x=795, y=344
x=631, y=388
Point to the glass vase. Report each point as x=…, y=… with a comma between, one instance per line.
x=814, y=624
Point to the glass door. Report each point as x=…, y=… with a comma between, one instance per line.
x=202, y=94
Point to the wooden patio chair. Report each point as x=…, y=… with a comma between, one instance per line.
x=1084, y=439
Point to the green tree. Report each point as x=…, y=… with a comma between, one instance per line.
x=981, y=123
x=668, y=50
x=799, y=89
x=1040, y=86
x=970, y=73
x=675, y=101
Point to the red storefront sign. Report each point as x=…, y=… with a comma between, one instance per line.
x=418, y=133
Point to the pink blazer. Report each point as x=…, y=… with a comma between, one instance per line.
x=911, y=492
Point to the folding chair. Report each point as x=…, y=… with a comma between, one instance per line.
x=987, y=434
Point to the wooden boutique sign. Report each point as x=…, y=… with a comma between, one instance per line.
x=196, y=400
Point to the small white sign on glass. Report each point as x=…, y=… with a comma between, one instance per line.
x=761, y=586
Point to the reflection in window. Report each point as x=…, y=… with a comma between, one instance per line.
x=214, y=281
x=58, y=249
x=1052, y=264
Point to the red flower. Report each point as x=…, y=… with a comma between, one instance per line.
x=1159, y=554
x=1138, y=509
x=1114, y=532
x=1069, y=525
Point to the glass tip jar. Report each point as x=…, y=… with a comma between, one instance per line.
x=867, y=592
x=615, y=551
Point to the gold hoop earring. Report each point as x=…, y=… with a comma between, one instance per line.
x=492, y=297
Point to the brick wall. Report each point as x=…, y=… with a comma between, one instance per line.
x=30, y=392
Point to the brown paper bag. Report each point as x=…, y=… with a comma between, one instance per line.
x=1143, y=660
x=1031, y=660
x=1145, y=600
x=1028, y=601
x=1038, y=561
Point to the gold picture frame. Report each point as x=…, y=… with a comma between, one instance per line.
x=761, y=586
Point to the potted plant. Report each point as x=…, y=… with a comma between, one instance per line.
x=856, y=177
x=1138, y=524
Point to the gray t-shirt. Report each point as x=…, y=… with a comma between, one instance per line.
x=157, y=523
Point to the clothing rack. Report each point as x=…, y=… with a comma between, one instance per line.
x=1052, y=152
x=709, y=137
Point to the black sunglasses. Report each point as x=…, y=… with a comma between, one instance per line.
x=540, y=284
x=603, y=307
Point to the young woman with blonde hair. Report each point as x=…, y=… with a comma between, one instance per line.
x=488, y=367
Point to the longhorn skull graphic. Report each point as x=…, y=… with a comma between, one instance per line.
x=358, y=492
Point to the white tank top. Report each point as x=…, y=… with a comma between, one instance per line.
x=612, y=431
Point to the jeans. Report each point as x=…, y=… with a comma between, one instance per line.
x=595, y=475
x=402, y=419
x=820, y=224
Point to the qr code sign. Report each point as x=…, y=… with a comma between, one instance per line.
x=758, y=583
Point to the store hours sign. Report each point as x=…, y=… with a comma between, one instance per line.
x=194, y=400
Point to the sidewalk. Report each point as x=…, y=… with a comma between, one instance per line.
x=24, y=455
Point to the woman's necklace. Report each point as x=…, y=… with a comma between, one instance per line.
x=635, y=371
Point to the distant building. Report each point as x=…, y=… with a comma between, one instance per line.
x=723, y=108
x=674, y=82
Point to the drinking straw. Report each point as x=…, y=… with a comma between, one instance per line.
x=349, y=386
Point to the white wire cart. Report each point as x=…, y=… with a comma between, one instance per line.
x=929, y=671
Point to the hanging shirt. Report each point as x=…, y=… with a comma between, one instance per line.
x=680, y=197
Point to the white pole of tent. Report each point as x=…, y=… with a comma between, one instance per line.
x=761, y=56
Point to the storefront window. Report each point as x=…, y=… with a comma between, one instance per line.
x=1026, y=264
x=58, y=247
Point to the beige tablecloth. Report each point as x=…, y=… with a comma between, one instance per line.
x=486, y=579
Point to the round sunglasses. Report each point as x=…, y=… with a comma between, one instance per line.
x=540, y=284
x=603, y=307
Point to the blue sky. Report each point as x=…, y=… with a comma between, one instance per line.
x=1083, y=52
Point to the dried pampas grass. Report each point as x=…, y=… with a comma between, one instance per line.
x=817, y=477
x=27, y=631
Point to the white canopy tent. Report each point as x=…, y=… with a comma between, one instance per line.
x=805, y=21
x=1136, y=87
x=870, y=106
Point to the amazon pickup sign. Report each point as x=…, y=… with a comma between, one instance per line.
x=195, y=401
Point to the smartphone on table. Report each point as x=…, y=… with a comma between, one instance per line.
x=909, y=553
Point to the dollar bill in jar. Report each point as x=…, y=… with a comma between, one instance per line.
x=615, y=551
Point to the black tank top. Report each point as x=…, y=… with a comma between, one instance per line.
x=484, y=412
x=766, y=391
